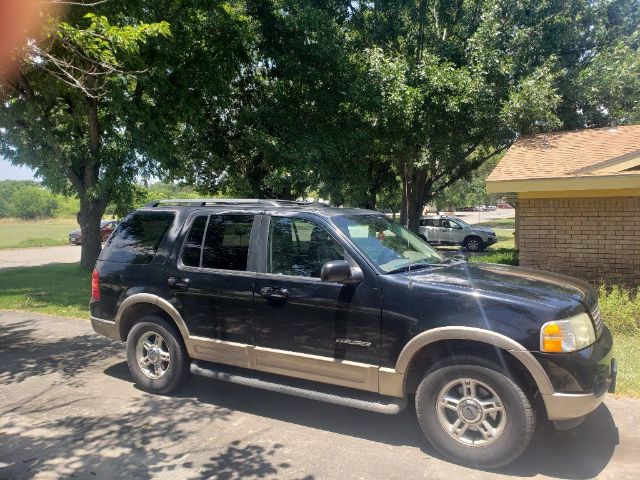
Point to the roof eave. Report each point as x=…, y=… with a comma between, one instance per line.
x=555, y=184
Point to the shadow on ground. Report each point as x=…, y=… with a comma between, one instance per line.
x=574, y=454
x=134, y=445
x=22, y=356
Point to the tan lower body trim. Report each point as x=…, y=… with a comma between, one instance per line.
x=345, y=373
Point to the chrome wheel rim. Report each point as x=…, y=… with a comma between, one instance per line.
x=152, y=353
x=473, y=245
x=471, y=412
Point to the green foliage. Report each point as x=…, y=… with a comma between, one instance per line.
x=506, y=256
x=620, y=309
x=469, y=190
x=26, y=200
x=29, y=200
x=32, y=202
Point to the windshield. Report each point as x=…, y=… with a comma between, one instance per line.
x=461, y=222
x=387, y=244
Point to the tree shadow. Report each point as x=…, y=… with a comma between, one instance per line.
x=22, y=355
x=249, y=461
x=580, y=453
x=151, y=437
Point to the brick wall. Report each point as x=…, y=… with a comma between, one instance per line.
x=596, y=239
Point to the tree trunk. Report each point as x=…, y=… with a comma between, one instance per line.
x=416, y=191
x=89, y=218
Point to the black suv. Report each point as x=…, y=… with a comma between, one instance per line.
x=345, y=306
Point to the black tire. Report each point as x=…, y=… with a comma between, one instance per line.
x=473, y=244
x=423, y=238
x=520, y=419
x=177, y=371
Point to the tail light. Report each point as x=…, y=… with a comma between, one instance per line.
x=95, y=285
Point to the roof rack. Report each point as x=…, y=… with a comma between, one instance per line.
x=210, y=202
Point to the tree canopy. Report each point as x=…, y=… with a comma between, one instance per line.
x=363, y=103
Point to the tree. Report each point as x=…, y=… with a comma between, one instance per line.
x=67, y=111
x=456, y=82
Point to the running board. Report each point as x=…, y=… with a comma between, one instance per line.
x=300, y=388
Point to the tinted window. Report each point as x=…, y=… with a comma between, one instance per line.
x=226, y=242
x=138, y=237
x=299, y=247
x=193, y=244
x=427, y=222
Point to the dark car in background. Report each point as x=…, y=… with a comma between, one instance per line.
x=344, y=306
x=106, y=228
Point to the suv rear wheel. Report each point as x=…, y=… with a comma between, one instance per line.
x=156, y=355
x=474, y=413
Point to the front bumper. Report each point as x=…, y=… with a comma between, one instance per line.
x=567, y=406
x=491, y=240
x=581, y=379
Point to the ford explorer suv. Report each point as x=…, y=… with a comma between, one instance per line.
x=443, y=230
x=344, y=306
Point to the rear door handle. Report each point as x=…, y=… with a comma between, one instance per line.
x=274, y=293
x=176, y=282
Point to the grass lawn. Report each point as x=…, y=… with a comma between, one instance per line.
x=627, y=352
x=15, y=233
x=55, y=289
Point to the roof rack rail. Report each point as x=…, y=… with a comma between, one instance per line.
x=209, y=202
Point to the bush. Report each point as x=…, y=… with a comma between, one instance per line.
x=620, y=309
x=31, y=202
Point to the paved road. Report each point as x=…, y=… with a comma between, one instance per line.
x=69, y=409
x=31, y=257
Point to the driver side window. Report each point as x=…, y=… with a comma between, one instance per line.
x=299, y=247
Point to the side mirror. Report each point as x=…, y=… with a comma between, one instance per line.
x=339, y=271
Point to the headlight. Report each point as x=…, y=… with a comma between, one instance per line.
x=569, y=335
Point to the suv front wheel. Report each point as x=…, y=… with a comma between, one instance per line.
x=473, y=244
x=156, y=355
x=474, y=413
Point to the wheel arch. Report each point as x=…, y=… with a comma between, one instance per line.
x=443, y=341
x=140, y=304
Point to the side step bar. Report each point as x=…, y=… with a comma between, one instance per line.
x=300, y=388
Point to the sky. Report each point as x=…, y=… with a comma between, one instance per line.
x=11, y=172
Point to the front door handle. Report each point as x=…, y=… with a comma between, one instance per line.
x=274, y=293
x=176, y=282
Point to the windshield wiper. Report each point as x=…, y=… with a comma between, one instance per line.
x=411, y=266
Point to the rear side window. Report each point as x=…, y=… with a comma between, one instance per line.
x=225, y=245
x=138, y=237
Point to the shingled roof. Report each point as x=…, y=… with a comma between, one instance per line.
x=571, y=154
x=566, y=153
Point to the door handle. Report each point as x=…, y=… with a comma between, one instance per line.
x=178, y=282
x=274, y=293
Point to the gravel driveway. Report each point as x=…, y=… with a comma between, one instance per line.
x=69, y=409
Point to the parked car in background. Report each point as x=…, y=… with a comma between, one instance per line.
x=106, y=228
x=444, y=230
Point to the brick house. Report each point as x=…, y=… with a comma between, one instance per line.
x=577, y=198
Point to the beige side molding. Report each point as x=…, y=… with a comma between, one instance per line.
x=345, y=373
x=479, y=335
